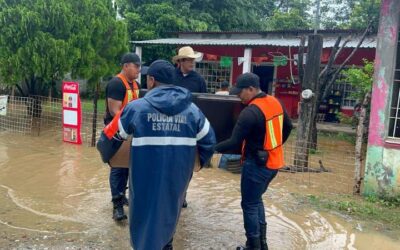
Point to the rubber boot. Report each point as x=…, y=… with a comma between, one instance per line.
x=252, y=243
x=184, y=205
x=118, y=208
x=168, y=246
x=263, y=237
x=125, y=201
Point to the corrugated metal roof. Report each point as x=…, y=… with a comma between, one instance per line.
x=280, y=32
x=281, y=42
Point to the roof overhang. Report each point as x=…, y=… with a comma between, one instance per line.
x=328, y=42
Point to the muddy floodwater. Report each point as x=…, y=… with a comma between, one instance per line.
x=56, y=196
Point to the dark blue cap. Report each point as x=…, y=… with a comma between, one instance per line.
x=162, y=71
x=144, y=69
x=245, y=80
x=224, y=84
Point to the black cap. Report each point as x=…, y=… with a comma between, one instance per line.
x=162, y=71
x=130, y=58
x=244, y=81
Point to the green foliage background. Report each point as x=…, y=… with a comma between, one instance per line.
x=42, y=40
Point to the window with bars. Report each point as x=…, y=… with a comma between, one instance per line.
x=346, y=89
x=214, y=74
x=394, y=114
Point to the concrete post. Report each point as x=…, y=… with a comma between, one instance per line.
x=247, y=60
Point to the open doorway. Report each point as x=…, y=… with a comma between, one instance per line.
x=266, y=74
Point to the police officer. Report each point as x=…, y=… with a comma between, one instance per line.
x=120, y=90
x=262, y=128
x=167, y=129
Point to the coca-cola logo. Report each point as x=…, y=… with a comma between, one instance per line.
x=70, y=86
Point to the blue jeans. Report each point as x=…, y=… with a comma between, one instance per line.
x=254, y=182
x=118, y=181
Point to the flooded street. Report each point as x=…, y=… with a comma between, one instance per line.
x=56, y=196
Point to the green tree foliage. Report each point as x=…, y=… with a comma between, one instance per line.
x=42, y=40
x=288, y=20
x=361, y=78
x=151, y=19
x=207, y=15
x=364, y=12
x=350, y=14
x=103, y=39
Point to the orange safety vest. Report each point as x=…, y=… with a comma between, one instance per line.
x=130, y=94
x=111, y=129
x=273, y=113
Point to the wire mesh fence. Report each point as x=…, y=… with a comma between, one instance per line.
x=19, y=116
x=39, y=115
x=327, y=167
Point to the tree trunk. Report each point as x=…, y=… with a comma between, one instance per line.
x=50, y=92
x=308, y=107
x=359, y=143
x=94, y=120
x=12, y=93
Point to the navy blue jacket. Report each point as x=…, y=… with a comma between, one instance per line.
x=167, y=129
x=193, y=81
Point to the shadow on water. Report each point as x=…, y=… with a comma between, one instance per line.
x=56, y=196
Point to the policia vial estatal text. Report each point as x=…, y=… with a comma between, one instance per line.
x=162, y=122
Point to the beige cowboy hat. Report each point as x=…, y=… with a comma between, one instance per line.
x=186, y=52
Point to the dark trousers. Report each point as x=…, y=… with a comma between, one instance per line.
x=118, y=181
x=254, y=182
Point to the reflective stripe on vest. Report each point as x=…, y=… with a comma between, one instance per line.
x=130, y=94
x=273, y=113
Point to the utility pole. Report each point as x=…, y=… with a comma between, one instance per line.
x=316, y=23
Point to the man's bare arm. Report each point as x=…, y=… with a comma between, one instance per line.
x=114, y=106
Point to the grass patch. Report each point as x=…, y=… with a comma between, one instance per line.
x=338, y=136
x=87, y=105
x=385, y=210
x=331, y=136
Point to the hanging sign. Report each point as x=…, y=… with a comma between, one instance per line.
x=225, y=61
x=72, y=113
x=3, y=104
x=210, y=57
x=241, y=60
x=279, y=60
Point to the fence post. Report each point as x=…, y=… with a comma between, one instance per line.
x=94, y=120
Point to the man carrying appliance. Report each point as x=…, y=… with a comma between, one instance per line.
x=262, y=128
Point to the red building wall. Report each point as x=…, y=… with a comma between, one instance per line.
x=285, y=89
